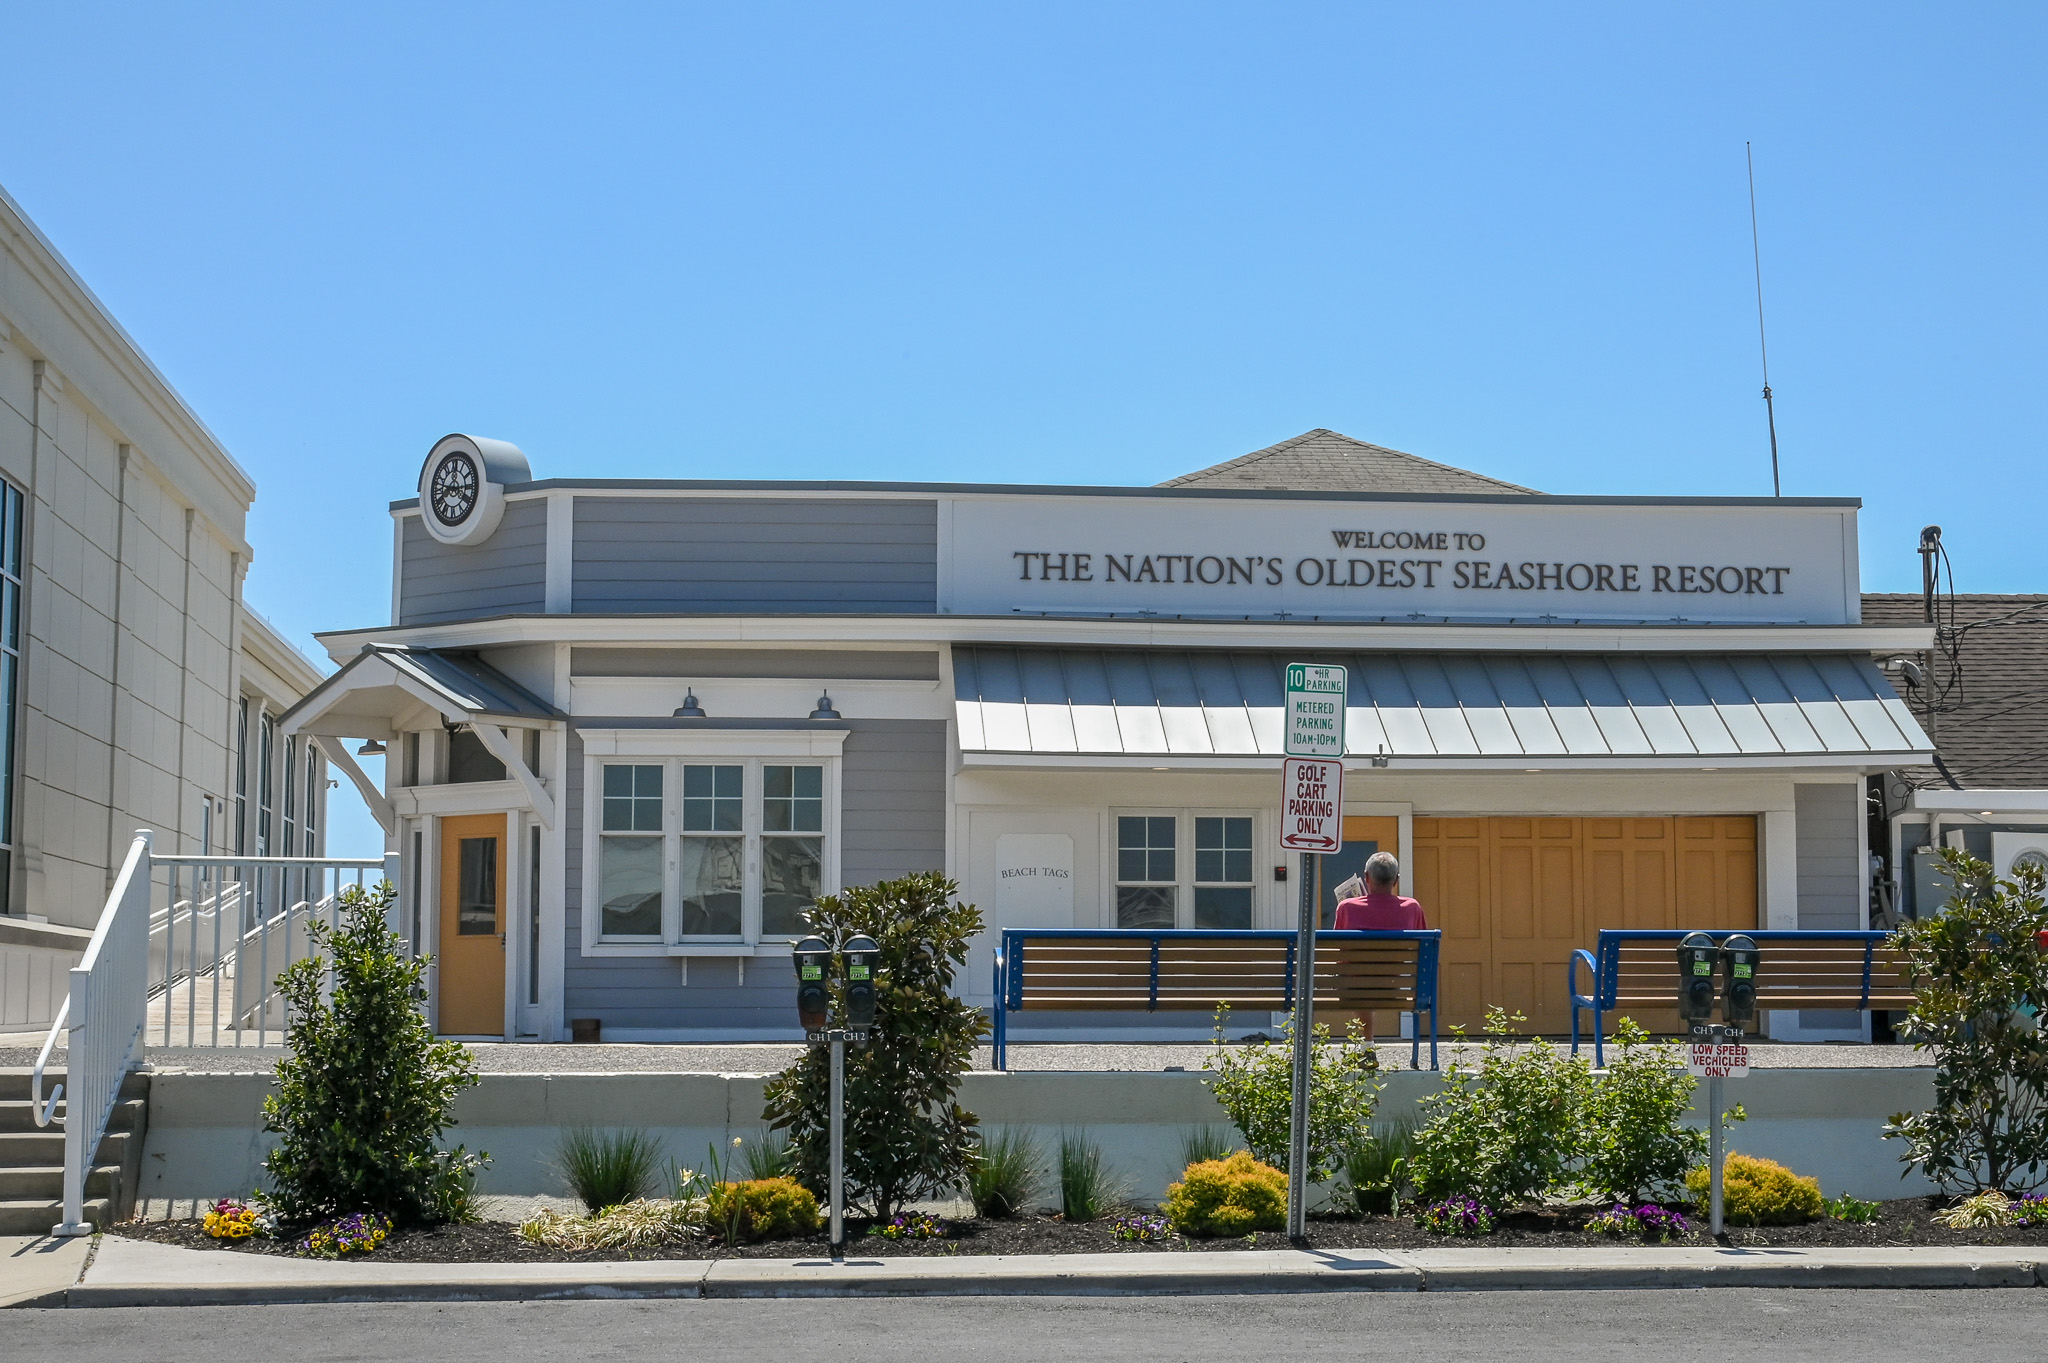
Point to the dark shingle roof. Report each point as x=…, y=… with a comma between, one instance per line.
x=1326, y=461
x=1992, y=731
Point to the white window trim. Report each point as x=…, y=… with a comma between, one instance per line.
x=673, y=748
x=1183, y=857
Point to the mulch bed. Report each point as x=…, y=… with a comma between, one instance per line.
x=1906, y=1221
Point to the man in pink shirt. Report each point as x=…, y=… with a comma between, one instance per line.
x=1379, y=909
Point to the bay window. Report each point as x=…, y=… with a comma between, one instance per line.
x=709, y=851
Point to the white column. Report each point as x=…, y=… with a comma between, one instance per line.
x=561, y=553
x=1780, y=871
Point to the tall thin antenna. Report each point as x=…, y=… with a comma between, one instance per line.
x=1757, y=255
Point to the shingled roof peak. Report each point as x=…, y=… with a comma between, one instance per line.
x=1323, y=460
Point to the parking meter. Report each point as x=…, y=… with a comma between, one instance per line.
x=1738, y=986
x=813, y=991
x=1697, y=959
x=860, y=955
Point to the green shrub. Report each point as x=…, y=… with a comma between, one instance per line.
x=1979, y=980
x=1507, y=1131
x=1255, y=1085
x=1006, y=1175
x=1376, y=1167
x=1852, y=1209
x=1758, y=1192
x=906, y=1134
x=607, y=1168
x=1088, y=1189
x=1634, y=1143
x=1233, y=1196
x=364, y=1090
x=761, y=1209
x=1201, y=1144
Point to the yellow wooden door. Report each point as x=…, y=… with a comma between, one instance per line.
x=1449, y=878
x=1515, y=895
x=472, y=955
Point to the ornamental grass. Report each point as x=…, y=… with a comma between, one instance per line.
x=645, y=1223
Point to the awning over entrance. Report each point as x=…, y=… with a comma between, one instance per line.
x=1449, y=709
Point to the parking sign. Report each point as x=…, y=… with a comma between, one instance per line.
x=1314, y=716
x=1311, y=805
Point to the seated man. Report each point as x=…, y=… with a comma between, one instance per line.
x=1379, y=909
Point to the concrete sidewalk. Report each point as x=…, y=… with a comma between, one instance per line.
x=38, y=1270
x=141, y=1273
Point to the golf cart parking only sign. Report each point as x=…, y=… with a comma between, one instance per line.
x=1314, y=716
x=1311, y=805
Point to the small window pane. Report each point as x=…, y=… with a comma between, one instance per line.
x=793, y=799
x=1144, y=906
x=1217, y=907
x=629, y=886
x=632, y=799
x=712, y=871
x=792, y=870
x=1145, y=848
x=1223, y=851
x=711, y=799
x=476, y=907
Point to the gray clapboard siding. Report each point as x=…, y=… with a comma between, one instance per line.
x=1830, y=882
x=756, y=556
x=892, y=822
x=506, y=573
x=801, y=664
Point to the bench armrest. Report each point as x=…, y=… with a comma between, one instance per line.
x=1572, y=977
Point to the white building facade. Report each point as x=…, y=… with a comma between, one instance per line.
x=127, y=654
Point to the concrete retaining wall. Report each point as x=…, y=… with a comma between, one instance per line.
x=206, y=1141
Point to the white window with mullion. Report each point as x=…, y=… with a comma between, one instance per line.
x=1223, y=888
x=713, y=853
x=1184, y=869
x=1147, y=870
x=632, y=896
x=792, y=846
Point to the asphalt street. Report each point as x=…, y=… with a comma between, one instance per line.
x=1571, y=1327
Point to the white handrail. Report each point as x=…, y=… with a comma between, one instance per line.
x=106, y=1012
x=37, y=1107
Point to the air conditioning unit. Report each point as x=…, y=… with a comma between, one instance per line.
x=2010, y=849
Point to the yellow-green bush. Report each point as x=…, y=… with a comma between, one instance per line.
x=1758, y=1192
x=761, y=1209
x=1232, y=1196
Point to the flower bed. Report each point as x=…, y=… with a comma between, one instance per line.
x=1906, y=1221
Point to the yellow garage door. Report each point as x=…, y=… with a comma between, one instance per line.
x=1516, y=895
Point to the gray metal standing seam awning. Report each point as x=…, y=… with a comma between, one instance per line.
x=1462, y=708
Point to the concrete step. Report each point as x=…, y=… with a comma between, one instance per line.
x=40, y=1181
x=27, y=1149
x=20, y=1115
x=16, y=1082
x=35, y=1217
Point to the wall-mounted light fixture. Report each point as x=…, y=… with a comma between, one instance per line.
x=371, y=748
x=689, y=709
x=825, y=710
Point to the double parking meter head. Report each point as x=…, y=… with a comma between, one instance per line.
x=860, y=952
x=1697, y=958
x=1738, y=984
x=813, y=983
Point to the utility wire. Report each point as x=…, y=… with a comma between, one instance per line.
x=1756, y=251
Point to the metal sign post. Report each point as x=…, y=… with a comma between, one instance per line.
x=1312, y=823
x=1717, y=1054
x=838, y=1233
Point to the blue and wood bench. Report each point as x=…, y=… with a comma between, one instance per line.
x=1638, y=971
x=1181, y=970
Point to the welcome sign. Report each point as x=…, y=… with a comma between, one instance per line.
x=1785, y=561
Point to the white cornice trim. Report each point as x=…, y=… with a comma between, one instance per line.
x=113, y=343
x=1976, y=801
x=825, y=630
x=1693, y=764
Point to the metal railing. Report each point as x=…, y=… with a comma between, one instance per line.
x=226, y=930
x=104, y=1017
x=223, y=932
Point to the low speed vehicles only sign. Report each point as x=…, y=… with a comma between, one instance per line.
x=1311, y=805
x=1718, y=1060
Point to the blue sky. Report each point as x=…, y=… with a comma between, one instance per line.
x=1064, y=243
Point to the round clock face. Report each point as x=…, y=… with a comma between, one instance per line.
x=2030, y=858
x=454, y=489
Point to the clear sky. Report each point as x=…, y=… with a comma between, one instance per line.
x=1102, y=243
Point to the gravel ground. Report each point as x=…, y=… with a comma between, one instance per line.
x=764, y=1059
x=1907, y=1221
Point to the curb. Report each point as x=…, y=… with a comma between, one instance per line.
x=1081, y=1275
